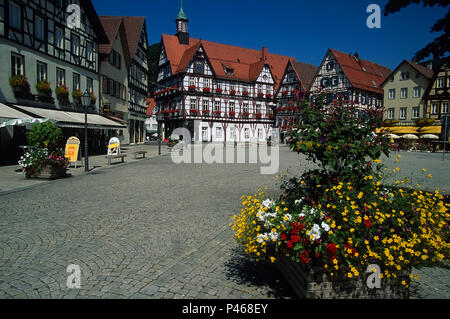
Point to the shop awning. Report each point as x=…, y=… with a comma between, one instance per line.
x=411, y=129
x=73, y=119
x=7, y=112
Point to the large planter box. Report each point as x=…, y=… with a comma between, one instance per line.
x=312, y=283
x=49, y=172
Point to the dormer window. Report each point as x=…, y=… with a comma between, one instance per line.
x=229, y=71
x=404, y=76
x=330, y=66
x=374, y=84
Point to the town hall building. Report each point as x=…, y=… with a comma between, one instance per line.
x=229, y=89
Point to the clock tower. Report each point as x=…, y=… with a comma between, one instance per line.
x=182, y=27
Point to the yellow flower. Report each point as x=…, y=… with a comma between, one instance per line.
x=272, y=259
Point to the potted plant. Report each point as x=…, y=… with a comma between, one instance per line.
x=205, y=112
x=245, y=114
x=46, y=159
x=271, y=116
x=43, y=88
x=245, y=93
x=341, y=230
x=217, y=112
x=19, y=84
x=61, y=91
x=284, y=93
x=258, y=115
x=219, y=91
x=193, y=112
x=260, y=94
x=77, y=94
x=191, y=87
x=206, y=90
x=233, y=92
x=232, y=113
x=269, y=95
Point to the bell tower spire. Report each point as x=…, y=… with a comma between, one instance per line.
x=182, y=26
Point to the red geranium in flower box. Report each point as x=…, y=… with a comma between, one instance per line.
x=260, y=94
x=258, y=115
x=232, y=113
x=193, y=111
x=271, y=116
x=164, y=112
x=245, y=93
x=219, y=90
x=245, y=114
x=205, y=112
x=268, y=95
x=217, y=112
x=206, y=90
x=233, y=92
x=191, y=87
x=284, y=93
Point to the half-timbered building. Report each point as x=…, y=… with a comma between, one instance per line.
x=49, y=56
x=138, y=77
x=357, y=80
x=295, y=83
x=438, y=93
x=228, y=89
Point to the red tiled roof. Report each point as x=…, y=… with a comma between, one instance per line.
x=361, y=73
x=305, y=72
x=133, y=28
x=246, y=63
x=151, y=105
x=111, y=26
x=426, y=72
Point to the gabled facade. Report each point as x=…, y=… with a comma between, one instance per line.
x=438, y=93
x=357, y=80
x=230, y=90
x=114, y=65
x=138, y=77
x=404, y=92
x=297, y=80
x=37, y=42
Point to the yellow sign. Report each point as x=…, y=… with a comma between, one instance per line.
x=114, y=146
x=72, y=149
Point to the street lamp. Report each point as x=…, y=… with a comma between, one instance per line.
x=86, y=101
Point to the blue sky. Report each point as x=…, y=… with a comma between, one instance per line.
x=303, y=29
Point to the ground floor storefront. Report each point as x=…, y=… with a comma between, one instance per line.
x=215, y=131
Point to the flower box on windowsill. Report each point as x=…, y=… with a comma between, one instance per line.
x=219, y=91
x=268, y=95
x=271, y=116
x=206, y=90
x=245, y=93
x=193, y=112
x=233, y=92
x=284, y=93
x=245, y=114
x=191, y=88
x=232, y=114
x=258, y=115
x=260, y=94
x=217, y=113
x=205, y=112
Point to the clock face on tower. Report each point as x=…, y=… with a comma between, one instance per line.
x=199, y=67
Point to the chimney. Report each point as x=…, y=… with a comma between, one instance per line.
x=264, y=54
x=356, y=55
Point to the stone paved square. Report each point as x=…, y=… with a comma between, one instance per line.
x=154, y=229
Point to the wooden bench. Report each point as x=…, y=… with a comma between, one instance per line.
x=111, y=157
x=139, y=153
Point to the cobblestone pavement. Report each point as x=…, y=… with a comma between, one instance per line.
x=148, y=229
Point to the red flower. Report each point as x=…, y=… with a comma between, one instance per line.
x=331, y=248
x=290, y=244
x=367, y=223
x=283, y=236
x=295, y=238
